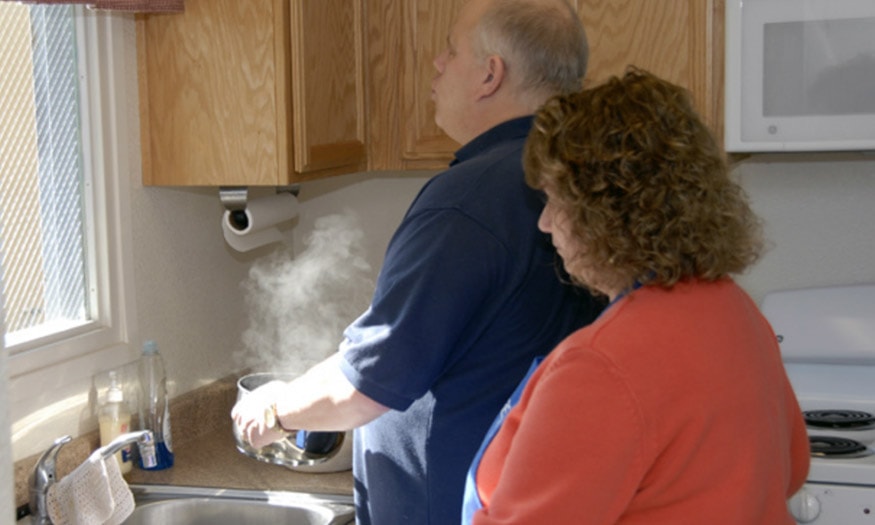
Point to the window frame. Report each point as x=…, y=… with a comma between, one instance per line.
x=103, y=342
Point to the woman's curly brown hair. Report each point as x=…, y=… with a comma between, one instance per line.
x=643, y=183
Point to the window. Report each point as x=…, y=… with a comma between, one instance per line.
x=62, y=165
x=41, y=188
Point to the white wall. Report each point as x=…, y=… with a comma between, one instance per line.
x=819, y=218
x=378, y=199
x=818, y=212
x=188, y=281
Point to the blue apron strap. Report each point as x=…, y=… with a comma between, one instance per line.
x=471, y=502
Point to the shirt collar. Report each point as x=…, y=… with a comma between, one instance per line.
x=510, y=129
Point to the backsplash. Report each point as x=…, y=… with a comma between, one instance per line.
x=818, y=217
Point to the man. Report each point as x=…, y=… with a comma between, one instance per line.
x=468, y=294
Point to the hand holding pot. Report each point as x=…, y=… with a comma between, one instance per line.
x=321, y=405
x=255, y=414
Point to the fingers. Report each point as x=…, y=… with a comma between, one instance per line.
x=258, y=436
x=248, y=415
x=254, y=432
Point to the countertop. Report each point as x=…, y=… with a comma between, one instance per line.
x=205, y=454
x=213, y=461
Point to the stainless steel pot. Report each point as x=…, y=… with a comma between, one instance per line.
x=302, y=450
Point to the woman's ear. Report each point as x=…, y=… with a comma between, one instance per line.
x=495, y=71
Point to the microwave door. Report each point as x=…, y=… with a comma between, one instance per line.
x=802, y=78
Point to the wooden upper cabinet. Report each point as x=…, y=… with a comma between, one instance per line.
x=426, y=26
x=679, y=40
x=404, y=38
x=273, y=92
x=249, y=93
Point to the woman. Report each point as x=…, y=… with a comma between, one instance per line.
x=673, y=407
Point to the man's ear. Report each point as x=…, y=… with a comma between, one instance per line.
x=495, y=72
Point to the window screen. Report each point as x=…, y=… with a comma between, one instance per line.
x=42, y=219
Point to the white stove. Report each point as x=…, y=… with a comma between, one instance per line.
x=827, y=338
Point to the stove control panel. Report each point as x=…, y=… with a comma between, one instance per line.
x=823, y=504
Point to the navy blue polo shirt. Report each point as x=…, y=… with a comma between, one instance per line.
x=467, y=297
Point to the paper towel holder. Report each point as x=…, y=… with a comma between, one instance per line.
x=234, y=199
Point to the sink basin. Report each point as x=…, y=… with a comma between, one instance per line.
x=172, y=505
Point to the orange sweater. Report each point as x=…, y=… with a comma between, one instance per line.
x=672, y=408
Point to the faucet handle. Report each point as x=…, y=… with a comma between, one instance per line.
x=43, y=476
x=44, y=470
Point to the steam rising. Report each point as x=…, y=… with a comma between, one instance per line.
x=299, y=305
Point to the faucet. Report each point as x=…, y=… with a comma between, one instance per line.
x=44, y=472
x=145, y=442
x=42, y=478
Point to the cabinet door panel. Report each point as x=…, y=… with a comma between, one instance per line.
x=252, y=93
x=212, y=104
x=327, y=84
x=427, y=23
x=403, y=38
x=679, y=40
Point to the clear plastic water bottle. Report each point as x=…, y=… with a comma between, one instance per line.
x=154, y=405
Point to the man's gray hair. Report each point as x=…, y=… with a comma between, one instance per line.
x=543, y=44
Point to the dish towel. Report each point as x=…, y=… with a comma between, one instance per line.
x=95, y=493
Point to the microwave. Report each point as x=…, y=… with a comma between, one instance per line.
x=800, y=75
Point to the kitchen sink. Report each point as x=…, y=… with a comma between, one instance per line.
x=174, y=505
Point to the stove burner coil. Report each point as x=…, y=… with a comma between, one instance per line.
x=839, y=419
x=836, y=447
